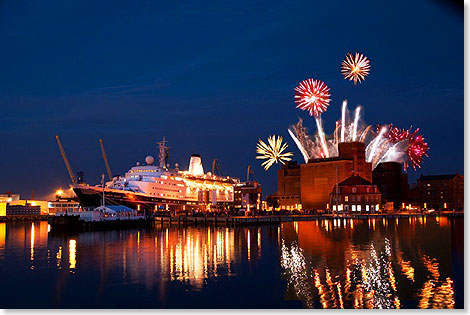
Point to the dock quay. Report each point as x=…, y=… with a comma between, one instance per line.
x=73, y=223
x=13, y=218
x=277, y=219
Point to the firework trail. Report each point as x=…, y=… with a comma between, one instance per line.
x=384, y=144
x=376, y=143
x=299, y=134
x=321, y=134
x=344, y=108
x=273, y=151
x=355, y=68
x=311, y=146
x=356, y=120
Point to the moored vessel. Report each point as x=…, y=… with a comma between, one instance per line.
x=155, y=187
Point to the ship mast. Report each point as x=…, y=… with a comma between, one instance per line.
x=102, y=183
x=163, y=153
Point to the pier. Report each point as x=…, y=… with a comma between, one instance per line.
x=13, y=218
x=277, y=219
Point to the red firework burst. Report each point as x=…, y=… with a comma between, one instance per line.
x=313, y=96
x=416, y=151
x=396, y=134
x=417, y=147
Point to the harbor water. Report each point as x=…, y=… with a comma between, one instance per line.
x=339, y=263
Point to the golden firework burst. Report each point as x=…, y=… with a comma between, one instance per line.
x=273, y=151
x=355, y=68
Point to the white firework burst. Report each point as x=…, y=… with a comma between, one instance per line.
x=355, y=68
x=273, y=151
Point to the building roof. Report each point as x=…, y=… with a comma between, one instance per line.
x=330, y=159
x=355, y=180
x=438, y=177
x=120, y=208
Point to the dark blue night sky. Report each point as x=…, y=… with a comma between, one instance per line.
x=213, y=77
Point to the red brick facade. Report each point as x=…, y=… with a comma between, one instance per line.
x=355, y=195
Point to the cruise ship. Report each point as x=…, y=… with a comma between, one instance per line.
x=152, y=187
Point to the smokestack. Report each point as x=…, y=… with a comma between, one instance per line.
x=195, y=165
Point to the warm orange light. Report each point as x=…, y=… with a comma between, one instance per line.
x=59, y=192
x=72, y=254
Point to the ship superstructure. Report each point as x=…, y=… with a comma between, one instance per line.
x=154, y=187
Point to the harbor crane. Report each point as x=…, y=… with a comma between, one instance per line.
x=106, y=162
x=216, y=170
x=249, y=172
x=66, y=161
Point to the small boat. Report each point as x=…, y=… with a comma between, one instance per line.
x=110, y=213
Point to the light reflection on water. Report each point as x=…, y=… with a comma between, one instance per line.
x=339, y=263
x=347, y=266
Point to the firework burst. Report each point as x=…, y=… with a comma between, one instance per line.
x=273, y=151
x=313, y=96
x=396, y=134
x=355, y=68
x=385, y=143
x=416, y=151
x=417, y=147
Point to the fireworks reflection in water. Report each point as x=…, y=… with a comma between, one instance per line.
x=370, y=278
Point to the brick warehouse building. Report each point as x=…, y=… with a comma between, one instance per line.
x=309, y=185
x=392, y=183
x=355, y=195
x=288, y=186
x=247, y=196
x=439, y=192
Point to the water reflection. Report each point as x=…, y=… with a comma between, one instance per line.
x=72, y=254
x=59, y=257
x=195, y=256
x=186, y=255
x=435, y=292
x=405, y=266
x=340, y=263
x=293, y=261
x=369, y=281
x=368, y=264
x=32, y=246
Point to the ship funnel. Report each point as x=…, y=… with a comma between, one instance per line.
x=195, y=165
